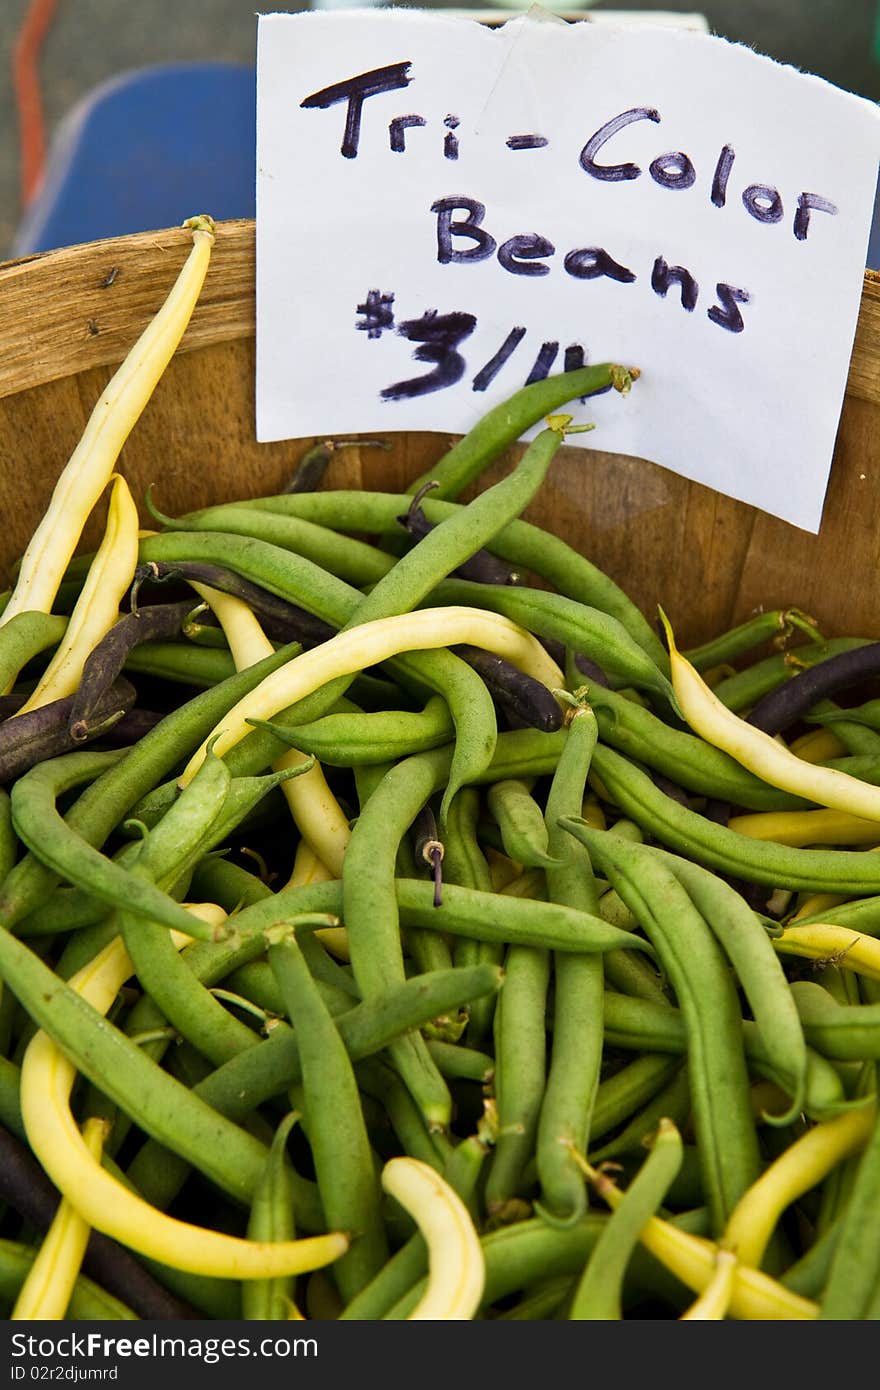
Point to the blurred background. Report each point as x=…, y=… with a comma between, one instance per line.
x=97, y=98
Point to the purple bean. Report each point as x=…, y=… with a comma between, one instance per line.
x=520, y=696
x=28, y=739
x=282, y=621
x=310, y=470
x=105, y=662
x=789, y=702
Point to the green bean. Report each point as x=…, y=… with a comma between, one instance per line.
x=641, y=1026
x=464, y=912
x=353, y=561
x=858, y=738
x=190, y=1008
x=257, y=1074
x=628, y=1090
x=599, y=1294
x=185, y=663
x=505, y=423
x=842, y=1032
x=682, y=756
x=10, y=1106
x=829, y=714
x=464, y=863
x=576, y=1054
x=520, y=1071
x=672, y=1101
x=347, y=1180
x=588, y=630
x=457, y=1062
x=24, y=637
x=217, y=880
x=40, y=826
x=808, y=1275
x=521, y=822
x=523, y=545
x=67, y=911
x=381, y=1081
x=128, y=777
x=465, y=866
x=352, y=739
x=371, y=916
x=757, y=861
x=688, y=953
x=851, y=1290
x=778, y=624
x=162, y=1107
x=757, y=966
x=272, y=1218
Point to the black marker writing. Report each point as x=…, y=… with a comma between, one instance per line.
x=763, y=202
x=438, y=336
x=377, y=312
x=807, y=203
x=450, y=142
x=486, y=375
x=591, y=262
x=519, y=254
x=614, y=173
x=729, y=316
x=663, y=275
x=448, y=228
x=397, y=129
x=354, y=91
x=721, y=175
x=673, y=170
x=526, y=142
x=543, y=362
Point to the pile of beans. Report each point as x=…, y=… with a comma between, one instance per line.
x=394, y=926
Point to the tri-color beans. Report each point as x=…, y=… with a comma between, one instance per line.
x=593, y=955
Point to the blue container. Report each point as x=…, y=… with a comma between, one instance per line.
x=145, y=150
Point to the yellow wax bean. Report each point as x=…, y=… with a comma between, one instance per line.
x=315, y=811
x=456, y=1269
x=817, y=902
x=359, y=647
x=97, y=608
x=46, y=1291
x=714, y=1302
x=818, y=746
x=87, y=471
x=840, y=946
x=308, y=868
x=757, y=751
x=47, y=1078
x=798, y=1169
x=799, y=828
x=755, y=1296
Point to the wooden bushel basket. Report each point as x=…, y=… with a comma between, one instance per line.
x=67, y=318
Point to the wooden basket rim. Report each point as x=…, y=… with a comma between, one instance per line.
x=83, y=306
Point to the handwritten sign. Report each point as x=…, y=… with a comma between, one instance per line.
x=446, y=212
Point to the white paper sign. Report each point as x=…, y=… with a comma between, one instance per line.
x=445, y=211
